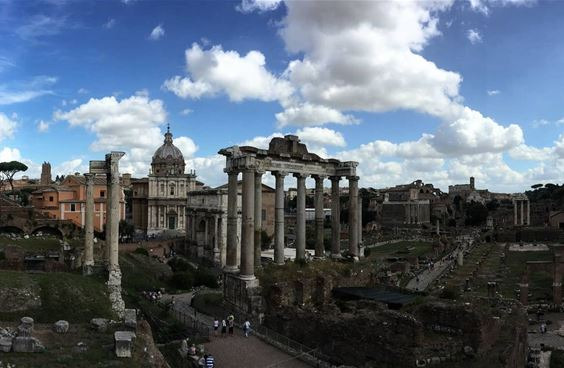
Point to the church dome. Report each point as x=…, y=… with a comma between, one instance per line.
x=168, y=159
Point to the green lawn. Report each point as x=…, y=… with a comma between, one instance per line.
x=63, y=295
x=402, y=249
x=32, y=244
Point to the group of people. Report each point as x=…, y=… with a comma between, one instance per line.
x=228, y=324
x=153, y=296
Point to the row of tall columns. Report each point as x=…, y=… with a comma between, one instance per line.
x=521, y=220
x=252, y=219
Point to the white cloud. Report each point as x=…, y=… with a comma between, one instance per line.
x=82, y=91
x=493, y=92
x=186, y=145
x=214, y=71
x=321, y=136
x=186, y=112
x=7, y=127
x=474, y=36
x=109, y=24
x=42, y=126
x=260, y=141
x=25, y=91
x=209, y=169
x=40, y=25
x=483, y=6
x=248, y=6
x=70, y=167
x=5, y=63
x=541, y=122
x=157, y=33
x=529, y=153
x=309, y=114
x=10, y=154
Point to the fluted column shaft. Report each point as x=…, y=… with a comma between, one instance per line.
x=258, y=218
x=231, y=259
x=335, y=217
x=529, y=213
x=108, y=230
x=319, y=232
x=515, y=212
x=522, y=215
x=114, y=209
x=279, y=219
x=300, y=218
x=89, y=221
x=248, y=229
x=353, y=216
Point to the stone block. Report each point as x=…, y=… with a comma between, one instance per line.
x=25, y=329
x=123, y=343
x=6, y=344
x=130, y=318
x=26, y=344
x=99, y=324
x=61, y=327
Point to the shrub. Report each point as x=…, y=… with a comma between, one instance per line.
x=142, y=251
x=180, y=265
x=206, y=278
x=2, y=255
x=182, y=280
x=450, y=293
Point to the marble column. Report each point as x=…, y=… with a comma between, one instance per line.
x=335, y=217
x=515, y=212
x=248, y=229
x=279, y=218
x=114, y=209
x=359, y=220
x=319, y=217
x=89, y=223
x=300, y=217
x=353, y=216
x=522, y=217
x=231, y=259
x=258, y=217
x=216, y=252
x=528, y=213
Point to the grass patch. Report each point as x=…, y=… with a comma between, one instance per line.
x=67, y=296
x=33, y=244
x=142, y=273
x=557, y=358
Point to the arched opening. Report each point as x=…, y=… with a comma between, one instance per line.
x=48, y=230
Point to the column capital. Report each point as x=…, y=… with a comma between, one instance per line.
x=353, y=178
x=335, y=178
x=231, y=171
x=279, y=173
x=259, y=172
x=89, y=178
x=319, y=177
x=300, y=175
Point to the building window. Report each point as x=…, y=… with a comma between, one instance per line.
x=172, y=190
x=73, y=207
x=162, y=189
x=50, y=198
x=102, y=193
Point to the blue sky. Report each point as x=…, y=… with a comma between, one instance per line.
x=412, y=90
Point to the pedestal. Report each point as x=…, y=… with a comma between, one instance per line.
x=242, y=293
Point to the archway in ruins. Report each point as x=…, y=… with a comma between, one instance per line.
x=48, y=230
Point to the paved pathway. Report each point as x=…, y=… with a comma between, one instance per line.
x=237, y=351
x=428, y=276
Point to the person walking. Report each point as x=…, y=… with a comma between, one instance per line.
x=223, y=328
x=215, y=326
x=247, y=328
x=231, y=323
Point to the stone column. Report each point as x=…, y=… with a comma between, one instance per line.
x=258, y=217
x=300, y=217
x=279, y=219
x=528, y=213
x=335, y=217
x=522, y=217
x=353, y=216
x=557, y=291
x=113, y=159
x=248, y=228
x=359, y=221
x=319, y=217
x=231, y=259
x=216, y=252
x=89, y=224
x=515, y=212
x=108, y=230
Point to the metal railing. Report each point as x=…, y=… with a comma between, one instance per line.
x=202, y=328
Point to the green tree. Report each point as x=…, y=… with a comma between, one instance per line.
x=476, y=214
x=9, y=169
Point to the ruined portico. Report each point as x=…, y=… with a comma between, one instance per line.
x=284, y=157
x=521, y=210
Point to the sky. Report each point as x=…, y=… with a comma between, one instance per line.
x=431, y=90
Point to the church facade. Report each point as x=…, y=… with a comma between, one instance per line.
x=159, y=201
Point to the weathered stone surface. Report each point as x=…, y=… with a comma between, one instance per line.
x=123, y=343
x=26, y=344
x=99, y=324
x=80, y=347
x=5, y=344
x=25, y=328
x=130, y=318
x=114, y=287
x=61, y=327
x=19, y=299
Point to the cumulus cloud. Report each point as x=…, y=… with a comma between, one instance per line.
x=321, y=136
x=248, y=6
x=70, y=167
x=157, y=33
x=109, y=24
x=185, y=112
x=240, y=77
x=186, y=145
x=530, y=153
x=7, y=126
x=493, y=92
x=309, y=114
x=474, y=36
x=10, y=154
x=483, y=6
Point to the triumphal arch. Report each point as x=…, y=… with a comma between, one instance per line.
x=285, y=156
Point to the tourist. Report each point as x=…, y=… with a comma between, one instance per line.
x=215, y=326
x=210, y=361
x=223, y=328
x=192, y=350
x=231, y=322
x=247, y=328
